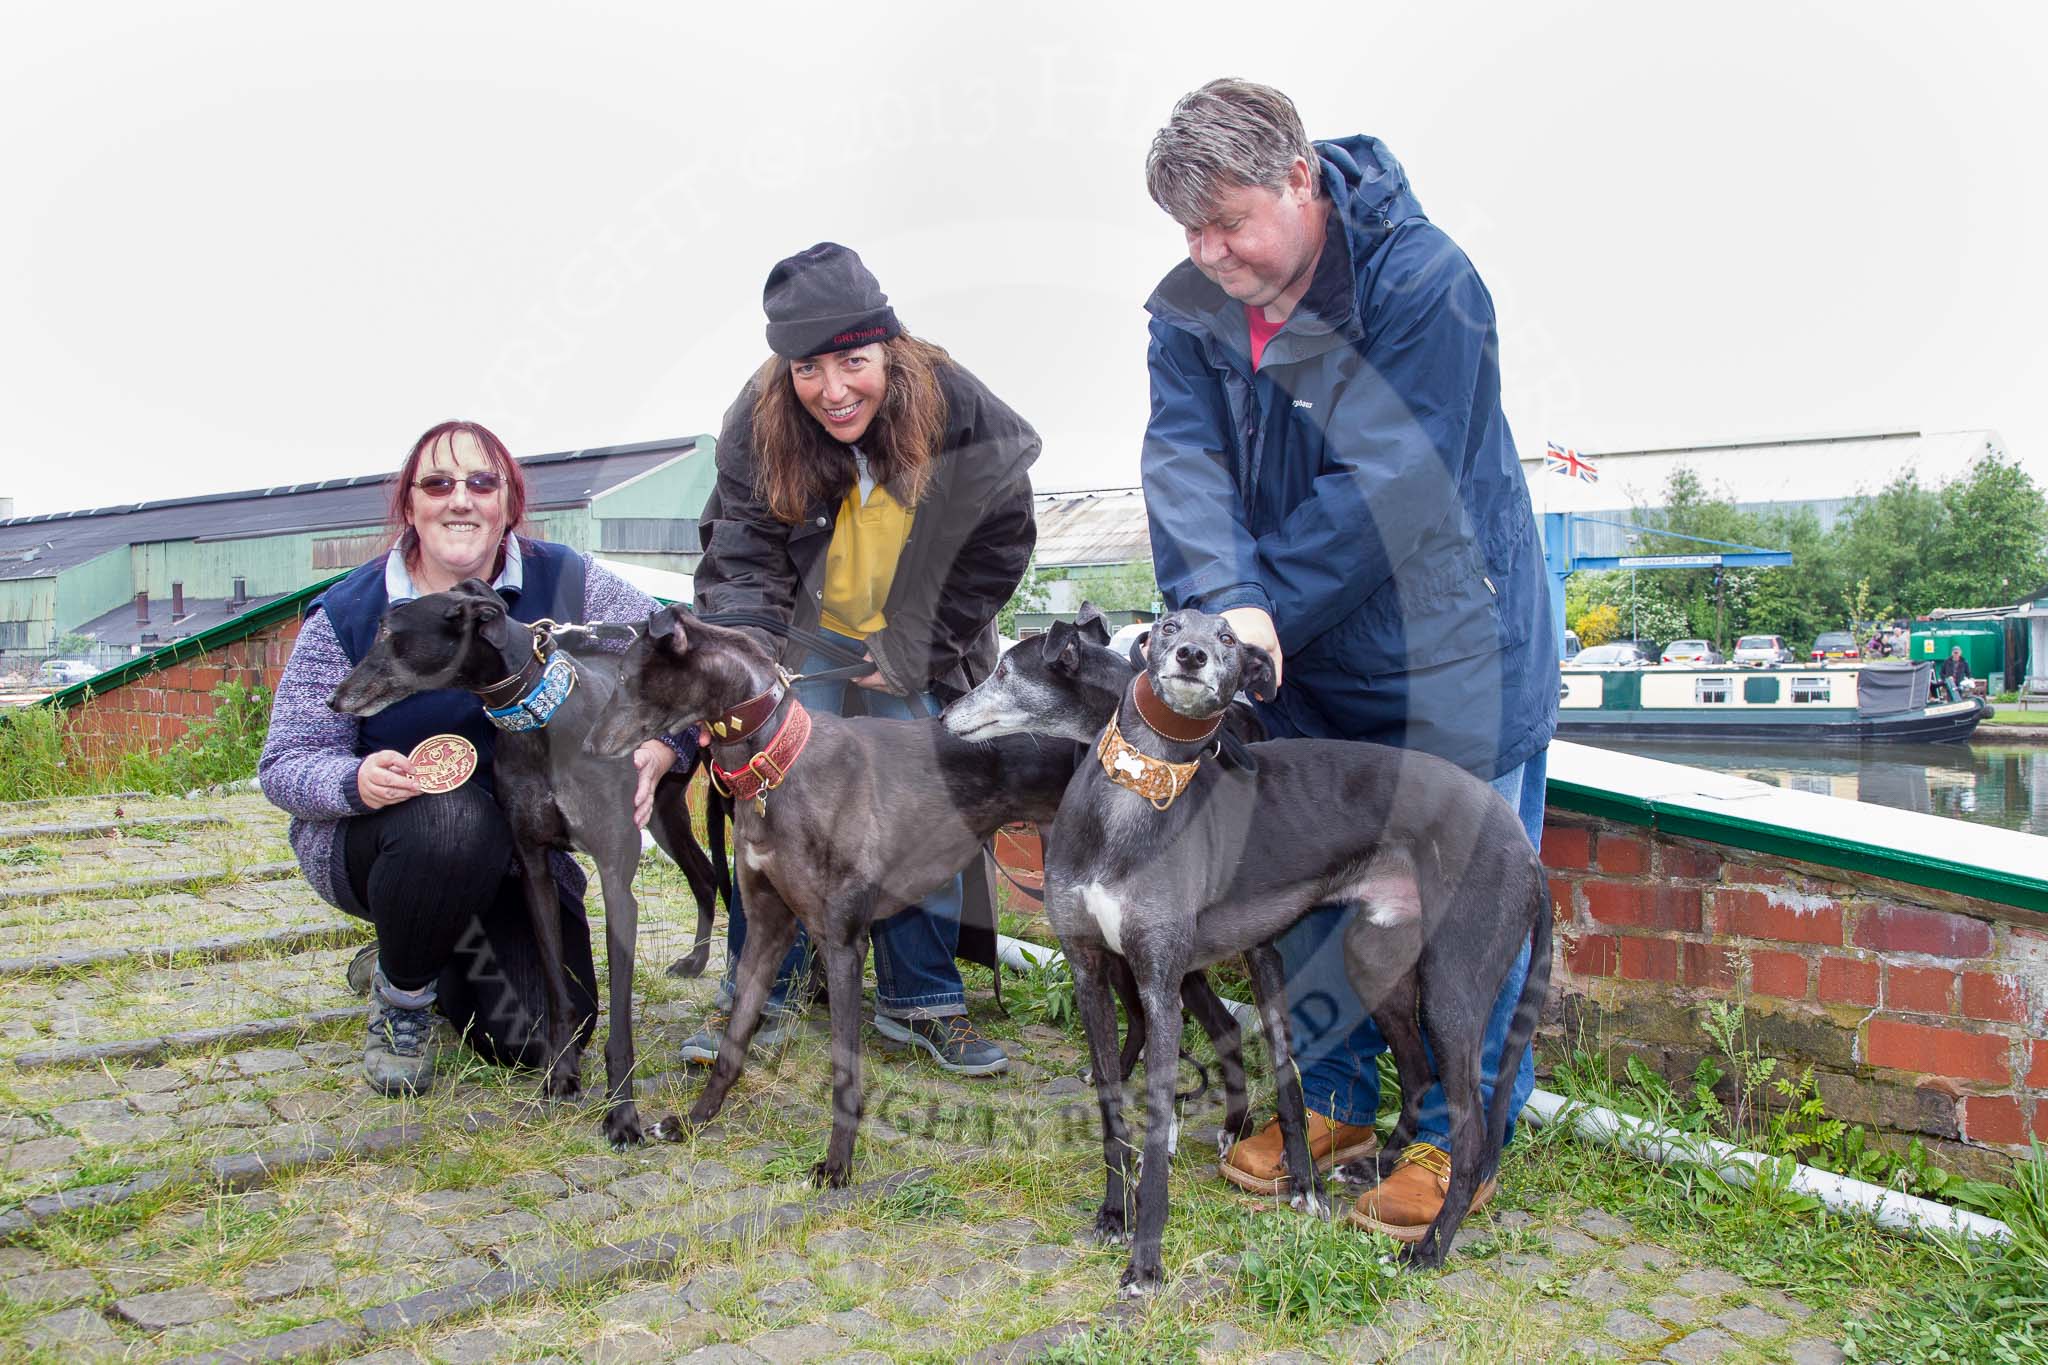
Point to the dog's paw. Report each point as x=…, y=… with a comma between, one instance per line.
x=1365, y=1172
x=830, y=1175
x=1138, y=1284
x=1427, y=1254
x=1224, y=1142
x=622, y=1126
x=691, y=964
x=1109, y=1226
x=701, y=1113
x=1310, y=1204
x=562, y=1085
x=669, y=1128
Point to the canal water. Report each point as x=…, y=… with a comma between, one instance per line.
x=1985, y=783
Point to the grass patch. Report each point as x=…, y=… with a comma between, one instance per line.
x=1316, y=1274
x=1158, y=1339
x=44, y=753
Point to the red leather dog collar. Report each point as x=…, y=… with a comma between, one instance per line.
x=750, y=715
x=1166, y=721
x=765, y=771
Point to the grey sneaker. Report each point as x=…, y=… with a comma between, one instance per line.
x=361, y=968
x=701, y=1047
x=398, y=1058
x=954, y=1043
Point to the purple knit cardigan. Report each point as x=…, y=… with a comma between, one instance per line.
x=309, y=761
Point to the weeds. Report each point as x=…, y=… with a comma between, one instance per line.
x=1314, y=1273
x=44, y=754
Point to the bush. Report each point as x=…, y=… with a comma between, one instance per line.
x=40, y=757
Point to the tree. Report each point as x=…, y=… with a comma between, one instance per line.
x=1031, y=595
x=1990, y=549
x=1598, y=625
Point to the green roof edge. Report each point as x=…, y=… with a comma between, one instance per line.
x=1852, y=855
x=177, y=651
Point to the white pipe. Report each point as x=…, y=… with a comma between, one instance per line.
x=1888, y=1208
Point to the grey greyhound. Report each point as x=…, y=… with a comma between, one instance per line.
x=555, y=794
x=1175, y=862
x=860, y=819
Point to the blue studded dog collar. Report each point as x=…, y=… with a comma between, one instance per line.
x=534, y=710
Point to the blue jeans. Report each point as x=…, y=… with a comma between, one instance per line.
x=915, y=976
x=1335, y=1040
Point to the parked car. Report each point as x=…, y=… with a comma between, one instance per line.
x=1690, y=652
x=1834, y=644
x=64, y=672
x=1624, y=654
x=1761, y=651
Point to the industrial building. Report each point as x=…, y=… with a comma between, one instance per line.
x=110, y=583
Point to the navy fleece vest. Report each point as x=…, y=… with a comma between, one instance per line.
x=552, y=587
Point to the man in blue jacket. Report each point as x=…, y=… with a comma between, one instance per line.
x=1328, y=466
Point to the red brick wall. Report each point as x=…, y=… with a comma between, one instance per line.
x=1921, y=1013
x=153, y=710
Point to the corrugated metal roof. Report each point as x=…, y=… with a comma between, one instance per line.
x=42, y=546
x=1100, y=526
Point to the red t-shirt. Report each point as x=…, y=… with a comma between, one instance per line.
x=1262, y=331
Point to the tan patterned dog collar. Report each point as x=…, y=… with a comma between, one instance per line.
x=1154, y=779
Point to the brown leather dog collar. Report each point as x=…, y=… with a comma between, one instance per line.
x=768, y=769
x=1168, y=722
x=750, y=715
x=1155, y=779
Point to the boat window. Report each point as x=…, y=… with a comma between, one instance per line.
x=1710, y=689
x=1809, y=689
x=1761, y=690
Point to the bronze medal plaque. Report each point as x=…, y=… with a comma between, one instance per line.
x=441, y=763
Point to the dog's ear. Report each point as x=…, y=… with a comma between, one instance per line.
x=1063, y=648
x=665, y=627
x=485, y=615
x=1255, y=673
x=1091, y=623
x=1138, y=656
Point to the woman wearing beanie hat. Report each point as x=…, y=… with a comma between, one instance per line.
x=872, y=489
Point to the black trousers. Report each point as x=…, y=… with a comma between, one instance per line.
x=431, y=874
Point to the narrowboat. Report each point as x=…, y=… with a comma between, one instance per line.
x=1834, y=703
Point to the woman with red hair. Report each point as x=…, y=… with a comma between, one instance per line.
x=432, y=869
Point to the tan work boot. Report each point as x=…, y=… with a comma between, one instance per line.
x=1409, y=1199
x=1259, y=1163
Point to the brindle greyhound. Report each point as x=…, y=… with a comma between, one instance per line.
x=1174, y=863
x=555, y=794
x=840, y=821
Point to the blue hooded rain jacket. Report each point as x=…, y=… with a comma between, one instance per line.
x=1361, y=485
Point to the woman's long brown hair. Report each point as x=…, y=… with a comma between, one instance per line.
x=797, y=464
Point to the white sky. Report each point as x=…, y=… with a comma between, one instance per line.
x=255, y=244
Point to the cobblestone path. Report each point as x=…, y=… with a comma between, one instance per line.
x=227, y=1189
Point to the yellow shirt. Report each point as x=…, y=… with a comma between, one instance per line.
x=860, y=564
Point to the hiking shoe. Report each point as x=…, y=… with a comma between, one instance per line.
x=361, y=968
x=398, y=1058
x=701, y=1047
x=953, y=1041
x=1259, y=1163
x=1409, y=1199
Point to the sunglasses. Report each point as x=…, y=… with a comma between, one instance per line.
x=483, y=483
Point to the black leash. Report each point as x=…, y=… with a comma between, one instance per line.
x=857, y=663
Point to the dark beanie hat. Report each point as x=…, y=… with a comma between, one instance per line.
x=824, y=300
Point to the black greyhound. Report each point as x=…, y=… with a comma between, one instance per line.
x=1175, y=863
x=555, y=794
x=869, y=817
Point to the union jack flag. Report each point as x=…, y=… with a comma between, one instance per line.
x=1571, y=464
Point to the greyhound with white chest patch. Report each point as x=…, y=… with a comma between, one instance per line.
x=1174, y=863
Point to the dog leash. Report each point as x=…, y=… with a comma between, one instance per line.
x=857, y=666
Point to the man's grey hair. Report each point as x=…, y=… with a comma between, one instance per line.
x=1227, y=135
